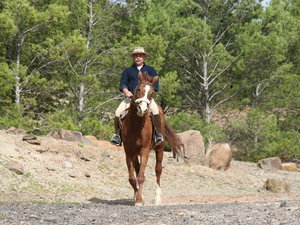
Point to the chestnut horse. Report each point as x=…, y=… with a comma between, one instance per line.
x=137, y=136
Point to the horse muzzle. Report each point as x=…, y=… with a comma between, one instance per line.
x=142, y=109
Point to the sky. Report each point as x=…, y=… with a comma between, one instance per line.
x=265, y=2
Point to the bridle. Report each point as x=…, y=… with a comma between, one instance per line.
x=144, y=98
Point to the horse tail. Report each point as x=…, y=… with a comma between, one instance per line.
x=173, y=139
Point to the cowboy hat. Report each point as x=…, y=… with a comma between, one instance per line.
x=138, y=50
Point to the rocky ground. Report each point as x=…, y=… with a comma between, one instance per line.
x=63, y=182
x=119, y=213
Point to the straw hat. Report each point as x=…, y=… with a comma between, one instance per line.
x=139, y=50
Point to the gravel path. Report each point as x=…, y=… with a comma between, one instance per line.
x=122, y=212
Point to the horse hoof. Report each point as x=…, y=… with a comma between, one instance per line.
x=139, y=204
x=158, y=202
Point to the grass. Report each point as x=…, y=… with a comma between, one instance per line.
x=34, y=187
x=27, y=175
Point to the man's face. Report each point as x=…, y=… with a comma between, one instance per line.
x=138, y=59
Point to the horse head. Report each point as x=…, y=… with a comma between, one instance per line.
x=143, y=93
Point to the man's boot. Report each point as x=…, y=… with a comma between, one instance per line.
x=116, y=138
x=158, y=137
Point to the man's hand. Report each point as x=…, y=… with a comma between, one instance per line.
x=127, y=93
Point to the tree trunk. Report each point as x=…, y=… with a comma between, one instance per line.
x=17, y=72
x=81, y=100
x=206, y=88
x=85, y=67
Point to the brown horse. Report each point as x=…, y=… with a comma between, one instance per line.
x=137, y=136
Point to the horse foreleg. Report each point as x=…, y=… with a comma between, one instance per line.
x=137, y=166
x=132, y=179
x=141, y=177
x=158, y=170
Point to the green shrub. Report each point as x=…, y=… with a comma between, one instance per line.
x=68, y=120
x=61, y=119
x=97, y=128
x=259, y=136
x=13, y=117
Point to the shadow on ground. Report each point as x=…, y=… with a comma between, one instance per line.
x=112, y=202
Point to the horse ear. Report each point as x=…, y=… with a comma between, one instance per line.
x=140, y=76
x=155, y=79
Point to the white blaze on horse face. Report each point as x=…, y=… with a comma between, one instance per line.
x=143, y=102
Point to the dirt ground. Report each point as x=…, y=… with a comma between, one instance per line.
x=58, y=171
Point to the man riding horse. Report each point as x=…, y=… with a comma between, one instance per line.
x=128, y=82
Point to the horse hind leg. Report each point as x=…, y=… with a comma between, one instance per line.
x=158, y=171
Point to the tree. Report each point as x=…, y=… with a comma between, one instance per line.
x=264, y=46
x=6, y=84
x=258, y=136
x=207, y=50
x=90, y=52
x=25, y=46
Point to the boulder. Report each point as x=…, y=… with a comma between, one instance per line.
x=219, y=156
x=13, y=130
x=194, y=146
x=31, y=139
x=289, y=166
x=15, y=167
x=67, y=135
x=90, y=140
x=272, y=163
x=277, y=186
x=34, y=142
x=67, y=164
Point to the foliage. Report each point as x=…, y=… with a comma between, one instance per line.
x=168, y=94
x=6, y=81
x=68, y=119
x=259, y=136
x=60, y=119
x=61, y=60
x=93, y=126
x=13, y=117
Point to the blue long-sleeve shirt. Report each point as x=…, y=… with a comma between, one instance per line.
x=129, y=77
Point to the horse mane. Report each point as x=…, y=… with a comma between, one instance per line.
x=145, y=77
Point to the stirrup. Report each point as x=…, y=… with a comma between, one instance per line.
x=116, y=140
x=158, y=138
